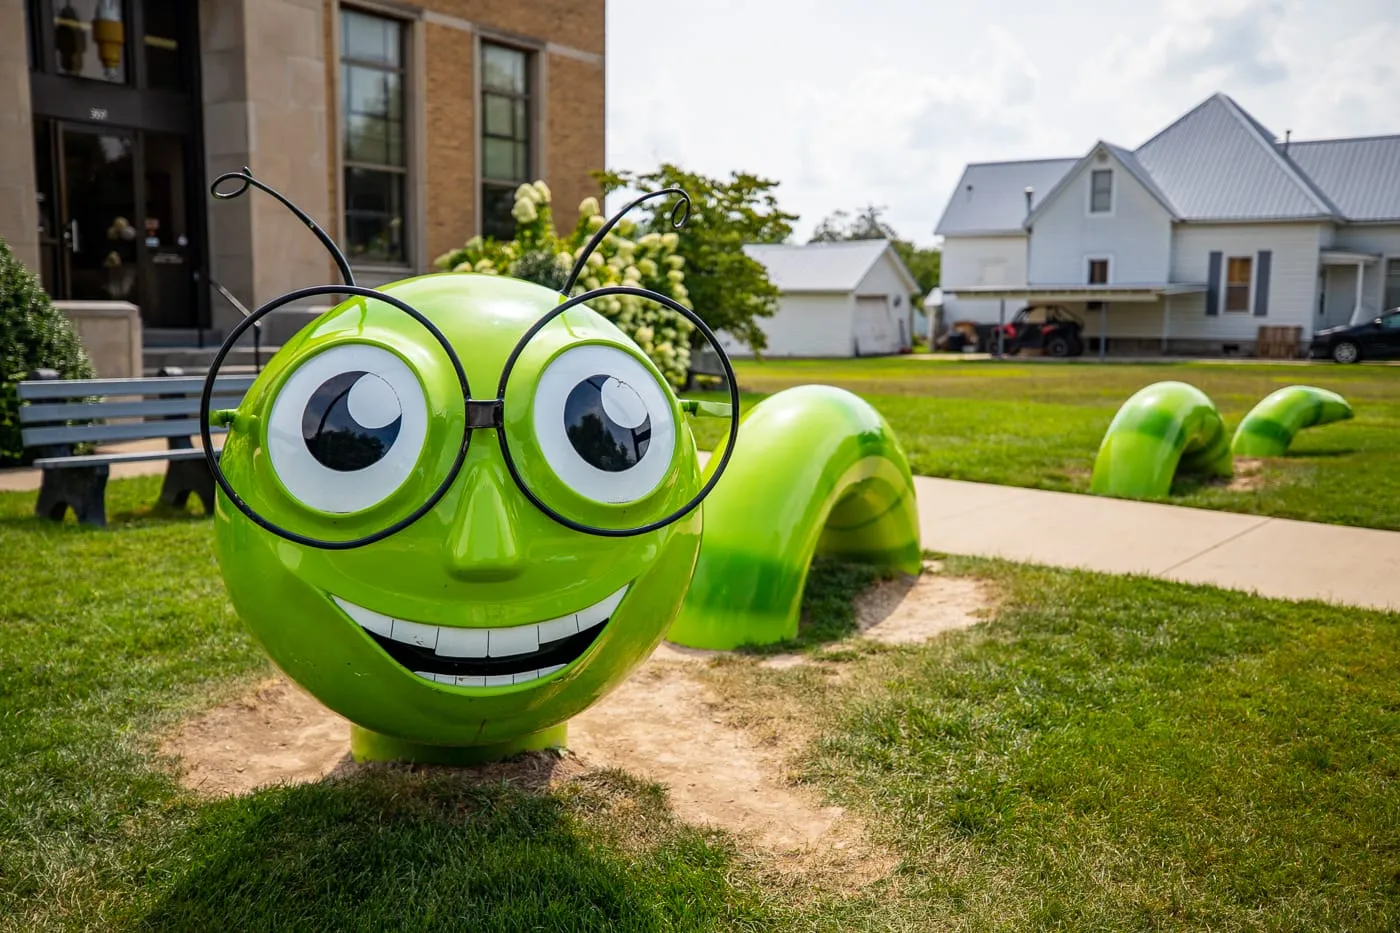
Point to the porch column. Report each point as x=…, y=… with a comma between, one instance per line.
x=1360, y=278
x=1166, y=322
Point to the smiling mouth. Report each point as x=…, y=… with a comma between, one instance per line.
x=486, y=657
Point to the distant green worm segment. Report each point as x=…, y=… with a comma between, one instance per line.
x=1165, y=427
x=816, y=470
x=1269, y=429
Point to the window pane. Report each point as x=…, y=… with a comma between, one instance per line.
x=374, y=218
x=1237, y=298
x=503, y=69
x=366, y=140
x=90, y=39
x=368, y=38
x=522, y=123
x=393, y=95
x=1101, y=199
x=365, y=91
x=1239, y=271
x=499, y=158
x=497, y=201
x=500, y=116
x=1098, y=272
x=522, y=158
x=164, y=44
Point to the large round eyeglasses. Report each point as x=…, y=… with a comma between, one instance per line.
x=351, y=421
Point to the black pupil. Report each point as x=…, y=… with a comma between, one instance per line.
x=332, y=434
x=600, y=440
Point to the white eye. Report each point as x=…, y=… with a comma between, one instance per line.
x=604, y=423
x=347, y=428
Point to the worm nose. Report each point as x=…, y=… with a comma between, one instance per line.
x=482, y=544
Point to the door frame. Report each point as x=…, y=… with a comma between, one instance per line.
x=133, y=108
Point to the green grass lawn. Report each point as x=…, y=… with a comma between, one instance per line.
x=1040, y=423
x=1104, y=753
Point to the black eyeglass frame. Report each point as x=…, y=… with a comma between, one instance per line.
x=479, y=414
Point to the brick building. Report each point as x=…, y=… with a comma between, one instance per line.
x=403, y=128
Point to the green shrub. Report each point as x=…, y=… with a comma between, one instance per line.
x=33, y=335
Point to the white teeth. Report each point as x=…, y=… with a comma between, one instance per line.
x=600, y=612
x=555, y=629
x=504, y=642
x=455, y=642
x=412, y=633
x=461, y=643
x=369, y=619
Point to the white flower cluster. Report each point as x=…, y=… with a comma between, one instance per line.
x=649, y=261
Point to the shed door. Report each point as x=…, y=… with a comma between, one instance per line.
x=875, y=329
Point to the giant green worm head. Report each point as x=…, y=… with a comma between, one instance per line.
x=487, y=614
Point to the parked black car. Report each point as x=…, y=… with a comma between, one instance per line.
x=1376, y=339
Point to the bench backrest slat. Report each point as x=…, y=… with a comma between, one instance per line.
x=158, y=385
x=81, y=433
x=46, y=412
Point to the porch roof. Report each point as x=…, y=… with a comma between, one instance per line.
x=1346, y=257
x=1146, y=292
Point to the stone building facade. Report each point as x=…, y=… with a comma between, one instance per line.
x=400, y=127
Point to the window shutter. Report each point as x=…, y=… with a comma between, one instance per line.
x=1213, y=286
x=1261, y=283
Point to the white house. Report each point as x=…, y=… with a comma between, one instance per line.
x=1191, y=242
x=849, y=298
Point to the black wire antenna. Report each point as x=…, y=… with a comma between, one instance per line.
x=679, y=215
x=246, y=179
x=480, y=413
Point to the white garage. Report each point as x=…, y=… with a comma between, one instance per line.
x=849, y=298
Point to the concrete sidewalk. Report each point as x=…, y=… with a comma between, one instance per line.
x=1271, y=556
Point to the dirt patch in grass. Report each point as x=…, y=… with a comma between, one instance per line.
x=669, y=723
x=1249, y=475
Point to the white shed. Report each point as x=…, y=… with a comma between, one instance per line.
x=849, y=298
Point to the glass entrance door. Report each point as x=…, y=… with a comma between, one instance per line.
x=98, y=228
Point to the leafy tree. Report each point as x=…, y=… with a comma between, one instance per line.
x=33, y=335
x=542, y=255
x=730, y=291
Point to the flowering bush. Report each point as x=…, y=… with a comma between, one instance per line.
x=539, y=254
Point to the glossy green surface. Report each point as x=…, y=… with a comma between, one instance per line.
x=1164, y=427
x=815, y=470
x=1269, y=428
x=482, y=557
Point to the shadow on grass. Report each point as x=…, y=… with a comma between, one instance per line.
x=438, y=849
x=828, y=606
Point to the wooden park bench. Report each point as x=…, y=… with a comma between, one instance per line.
x=59, y=414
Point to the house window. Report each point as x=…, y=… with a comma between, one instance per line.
x=1101, y=191
x=1392, y=284
x=1239, y=274
x=373, y=51
x=1098, y=271
x=506, y=151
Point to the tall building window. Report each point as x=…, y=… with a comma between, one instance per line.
x=1239, y=274
x=1101, y=191
x=373, y=51
x=506, y=139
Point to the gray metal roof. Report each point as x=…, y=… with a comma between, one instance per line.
x=1131, y=163
x=1218, y=163
x=1360, y=176
x=990, y=197
x=823, y=267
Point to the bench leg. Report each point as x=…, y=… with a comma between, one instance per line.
x=183, y=477
x=83, y=489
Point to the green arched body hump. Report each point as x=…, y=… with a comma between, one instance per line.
x=816, y=469
x=1268, y=430
x=1165, y=427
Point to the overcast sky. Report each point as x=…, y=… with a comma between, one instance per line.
x=853, y=102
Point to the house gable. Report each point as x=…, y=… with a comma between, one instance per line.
x=1129, y=232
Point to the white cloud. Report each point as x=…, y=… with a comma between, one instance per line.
x=885, y=101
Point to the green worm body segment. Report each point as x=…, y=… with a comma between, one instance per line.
x=1269, y=429
x=1164, y=427
x=816, y=469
